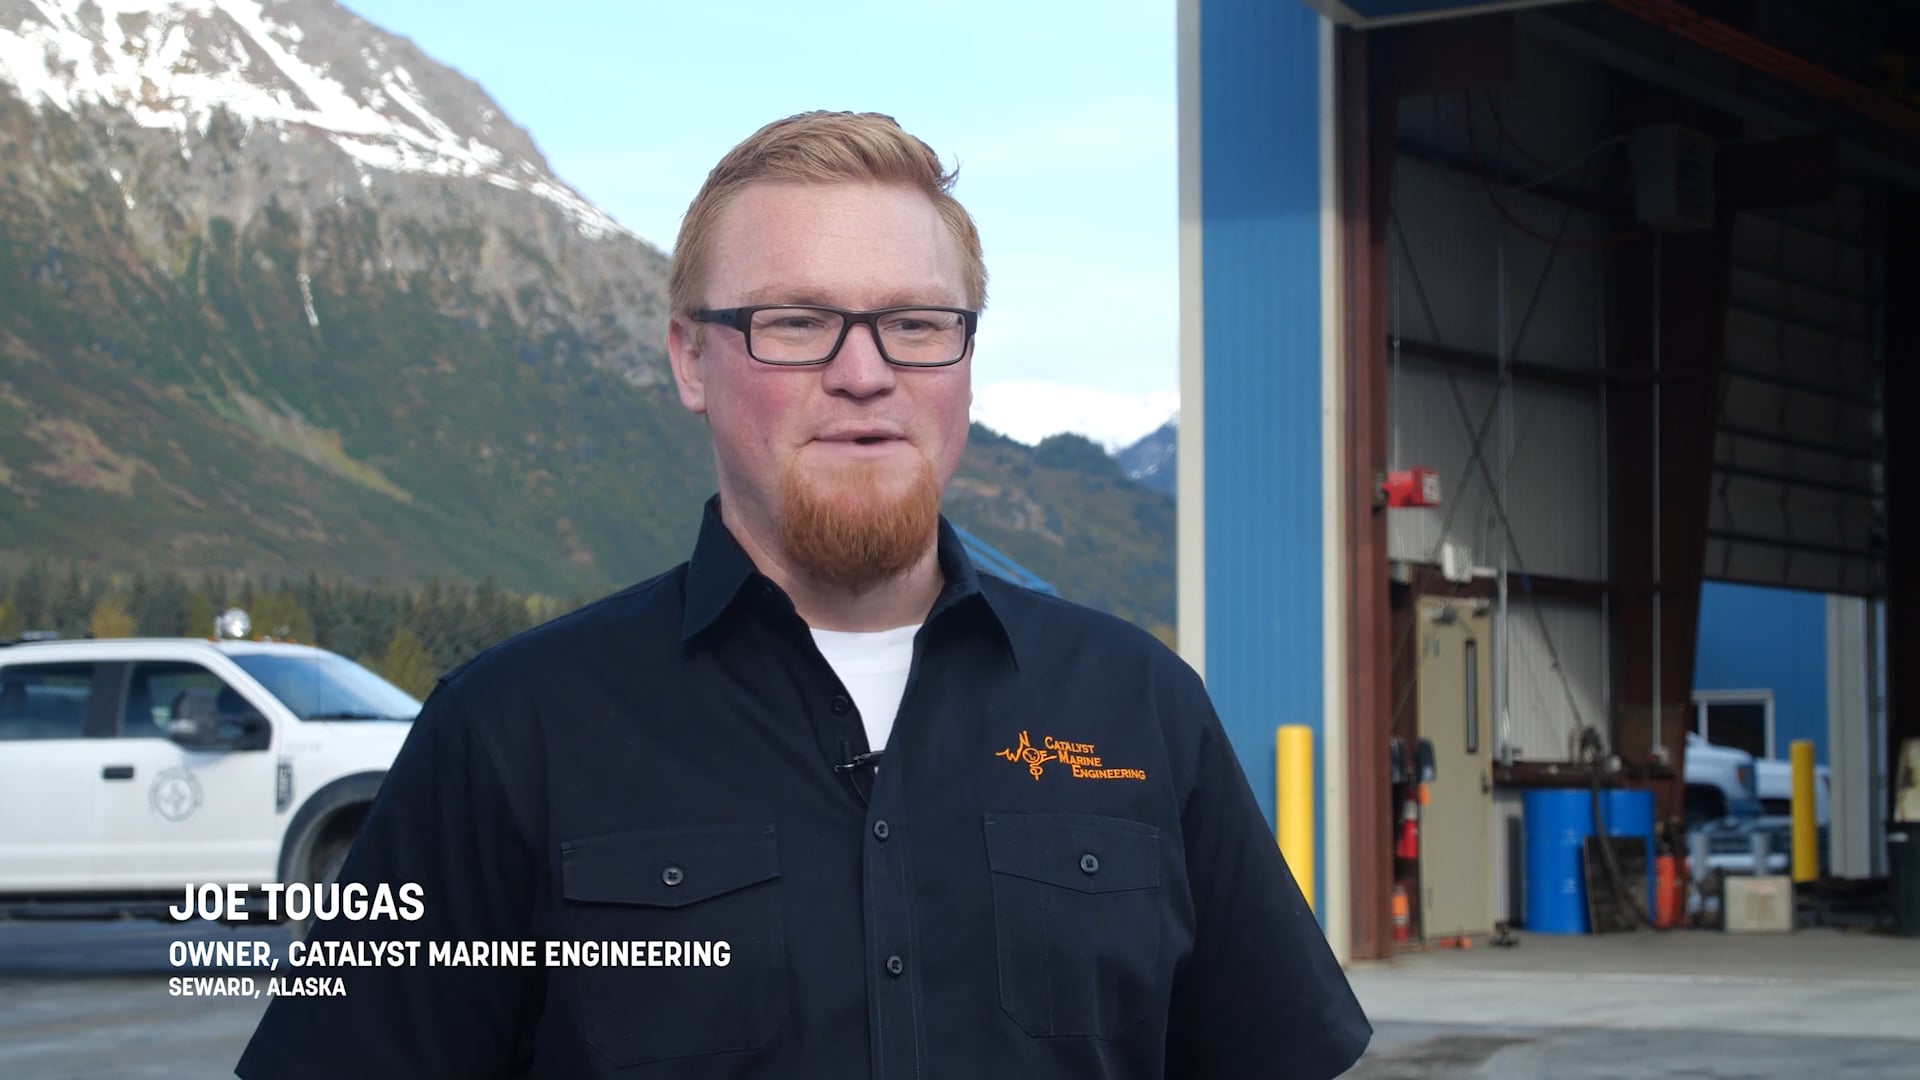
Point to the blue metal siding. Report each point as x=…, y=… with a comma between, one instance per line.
x=989, y=560
x=1754, y=638
x=1260, y=270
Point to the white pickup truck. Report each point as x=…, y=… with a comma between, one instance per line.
x=132, y=768
x=1721, y=783
x=1773, y=781
x=1730, y=795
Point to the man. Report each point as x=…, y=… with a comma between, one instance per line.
x=890, y=818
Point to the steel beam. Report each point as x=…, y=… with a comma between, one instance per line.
x=1561, y=375
x=1903, y=465
x=1368, y=108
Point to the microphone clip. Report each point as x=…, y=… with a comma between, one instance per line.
x=858, y=761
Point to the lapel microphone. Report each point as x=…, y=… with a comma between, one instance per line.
x=857, y=760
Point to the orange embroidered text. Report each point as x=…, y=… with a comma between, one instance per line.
x=1080, y=758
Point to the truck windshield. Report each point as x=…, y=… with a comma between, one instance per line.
x=327, y=686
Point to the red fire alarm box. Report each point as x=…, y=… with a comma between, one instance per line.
x=1413, y=487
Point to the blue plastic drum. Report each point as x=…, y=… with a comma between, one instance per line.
x=1557, y=824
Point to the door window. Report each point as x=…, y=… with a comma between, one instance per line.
x=158, y=691
x=45, y=701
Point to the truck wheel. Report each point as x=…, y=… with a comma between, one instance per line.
x=326, y=865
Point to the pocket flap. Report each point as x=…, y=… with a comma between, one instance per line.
x=668, y=867
x=1084, y=852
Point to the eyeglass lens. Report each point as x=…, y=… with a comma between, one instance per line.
x=806, y=335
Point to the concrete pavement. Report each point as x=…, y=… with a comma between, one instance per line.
x=1432, y=1052
x=1686, y=1003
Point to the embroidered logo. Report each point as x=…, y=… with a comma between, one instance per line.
x=1080, y=758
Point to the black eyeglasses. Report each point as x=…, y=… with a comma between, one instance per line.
x=793, y=335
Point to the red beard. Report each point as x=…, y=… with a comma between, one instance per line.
x=852, y=527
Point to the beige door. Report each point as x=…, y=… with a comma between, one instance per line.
x=1456, y=825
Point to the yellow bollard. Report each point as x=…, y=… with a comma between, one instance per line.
x=1293, y=802
x=1806, y=836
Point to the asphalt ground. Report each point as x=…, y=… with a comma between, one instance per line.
x=91, y=1000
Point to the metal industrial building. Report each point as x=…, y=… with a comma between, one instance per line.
x=1632, y=277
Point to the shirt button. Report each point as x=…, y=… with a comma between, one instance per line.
x=895, y=965
x=841, y=704
x=1089, y=863
x=672, y=875
x=881, y=830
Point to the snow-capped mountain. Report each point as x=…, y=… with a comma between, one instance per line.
x=1153, y=460
x=1030, y=410
x=371, y=159
x=280, y=294
x=307, y=66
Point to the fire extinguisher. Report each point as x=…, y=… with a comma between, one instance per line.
x=1408, y=845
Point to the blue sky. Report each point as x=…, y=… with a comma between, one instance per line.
x=1061, y=116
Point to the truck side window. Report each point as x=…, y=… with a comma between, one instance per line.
x=157, y=690
x=44, y=701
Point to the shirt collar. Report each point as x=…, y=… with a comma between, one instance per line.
x=720, y=571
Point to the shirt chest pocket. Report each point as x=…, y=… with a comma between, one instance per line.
x=1076, y=906
x=699, y=911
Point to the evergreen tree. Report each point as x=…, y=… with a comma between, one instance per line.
x=31, y=592
x=417, y=633
x=275, y=613
x=169, y=608
x=70, y=607
x=378, y=615
x=214, y=588
x=497, y=614
x=432, y=626
x=350, y=621
x=407, y=665
x=200, y=615
x=139, y=601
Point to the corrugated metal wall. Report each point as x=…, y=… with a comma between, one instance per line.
x=1552, y=701
x=1261, y=274
x=1495, y=262
x=1556, y=471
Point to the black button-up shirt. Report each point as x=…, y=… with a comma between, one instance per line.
x=1056, y=869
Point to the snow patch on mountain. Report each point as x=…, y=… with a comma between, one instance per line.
x=171, y=64
x=1028, y=411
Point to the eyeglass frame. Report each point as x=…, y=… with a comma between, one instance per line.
x=741, y=319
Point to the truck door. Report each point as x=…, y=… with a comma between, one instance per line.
x=53, y=788
x=189, y=814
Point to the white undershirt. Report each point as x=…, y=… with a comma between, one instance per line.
x=873, y=666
